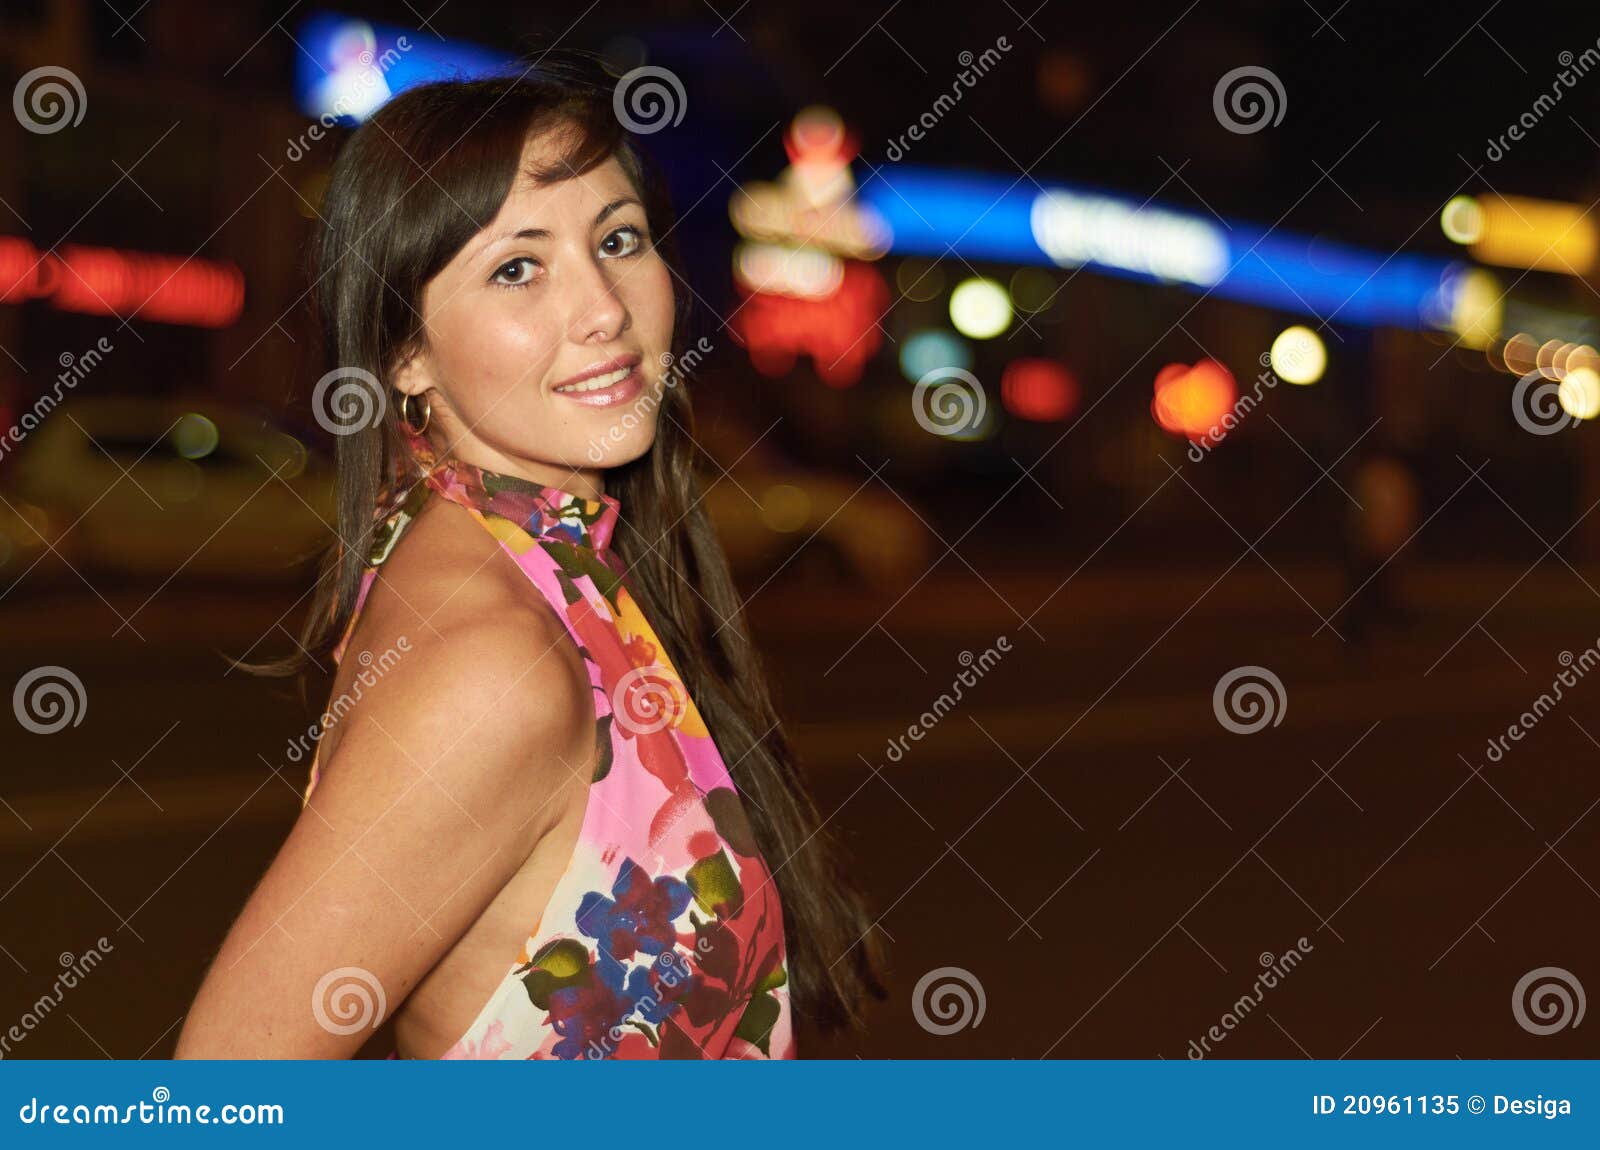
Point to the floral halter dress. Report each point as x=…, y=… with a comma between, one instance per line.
x=664, y=938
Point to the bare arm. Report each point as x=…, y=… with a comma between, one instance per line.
x=428, y=805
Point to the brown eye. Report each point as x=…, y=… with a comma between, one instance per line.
x=515, y=273
x=622, y=242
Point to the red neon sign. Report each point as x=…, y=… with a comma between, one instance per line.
x=113, y=281
x=839, y=332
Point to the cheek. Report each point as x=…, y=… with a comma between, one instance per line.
x=492, y=349
x=647, y=293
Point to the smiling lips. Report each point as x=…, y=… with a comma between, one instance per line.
x=603, y=387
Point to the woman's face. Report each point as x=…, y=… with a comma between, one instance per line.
x=564, y=283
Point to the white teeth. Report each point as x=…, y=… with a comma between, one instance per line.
x=595, y=383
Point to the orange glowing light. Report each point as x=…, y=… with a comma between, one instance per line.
x=1191, y=401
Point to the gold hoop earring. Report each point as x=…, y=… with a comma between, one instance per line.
x=405, y=414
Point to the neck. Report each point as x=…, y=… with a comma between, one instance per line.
x=584, y=482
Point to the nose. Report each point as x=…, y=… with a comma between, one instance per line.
x=598, y=313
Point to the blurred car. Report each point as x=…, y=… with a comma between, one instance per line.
x=806, y=523
x=155, y=487
x=25, y=540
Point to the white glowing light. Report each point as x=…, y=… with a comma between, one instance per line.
x=1072, y=228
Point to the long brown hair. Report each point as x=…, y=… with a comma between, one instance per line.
x=409, y=188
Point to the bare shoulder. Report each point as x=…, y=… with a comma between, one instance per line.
x=469, y=731
x=466, y=666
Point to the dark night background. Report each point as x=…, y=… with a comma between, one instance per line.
x=1081, y=836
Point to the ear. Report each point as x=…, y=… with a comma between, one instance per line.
x=411, y=373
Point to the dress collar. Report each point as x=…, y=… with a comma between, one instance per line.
x=544, y=511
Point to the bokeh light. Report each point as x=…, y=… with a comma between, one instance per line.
x=1462, y=220
x=195, y=436
x=1192, y=400
x=1579, y=393
x=1038, y=389
x=929, y=349
x=980, y=308
x=1298, y=355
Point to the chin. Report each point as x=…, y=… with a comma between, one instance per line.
x=616, y=444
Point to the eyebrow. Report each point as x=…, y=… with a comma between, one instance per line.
x=544, y=233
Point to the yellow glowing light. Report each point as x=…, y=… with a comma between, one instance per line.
x=1545, y=358
x=980, y=308
x=1519, y=353
x=1579, y=393
x=1462, y=220
x=785, y=507
x=1478, y=309
x=1583, y=356
x=195, y=436
x=1544, y=235
x=1298, y=355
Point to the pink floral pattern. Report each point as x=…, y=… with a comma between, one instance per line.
x=664, y=938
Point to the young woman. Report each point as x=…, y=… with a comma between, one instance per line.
x=552, y=812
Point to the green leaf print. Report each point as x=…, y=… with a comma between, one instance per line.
x=716, y=885
x=578, y=561
x=557, y=964
x=756, y=1023
x=602, y=740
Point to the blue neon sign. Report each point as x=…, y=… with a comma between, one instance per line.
x=349, y=67
x=931, y=211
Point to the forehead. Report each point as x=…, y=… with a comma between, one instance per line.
x=582, y=192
